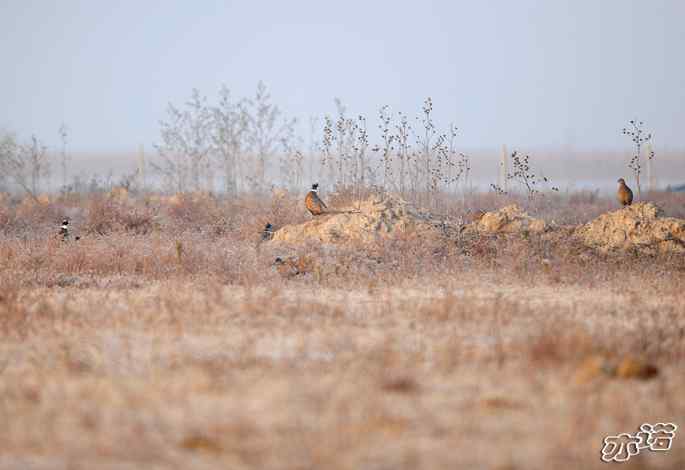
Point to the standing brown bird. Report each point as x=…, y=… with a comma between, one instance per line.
x=625, y=195
x=294, y=265
x=286, y=267
x=313, y=202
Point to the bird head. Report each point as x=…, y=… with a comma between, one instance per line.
x=621, y=181
x=315, y=187
x=65, y=221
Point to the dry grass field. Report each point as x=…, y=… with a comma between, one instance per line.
x=165, y=338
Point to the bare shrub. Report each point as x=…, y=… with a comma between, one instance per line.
x=106, y=215
x=229, y=128
x=635, y=131
x=524, y=175
x=186, y=145
x=268, y=130
x=25, y=165
x=422, y=166
x=241, y=137
x=195, y=212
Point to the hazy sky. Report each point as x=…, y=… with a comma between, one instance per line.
x=523, y=72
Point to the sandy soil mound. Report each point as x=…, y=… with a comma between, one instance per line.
x=640, y=226
x=509, y=219
x=376, y=217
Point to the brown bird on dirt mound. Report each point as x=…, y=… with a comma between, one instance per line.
x=313, y=202
x=625, y=195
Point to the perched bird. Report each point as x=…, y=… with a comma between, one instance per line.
x=625, y=195
x=268, y=232
x=313, y=202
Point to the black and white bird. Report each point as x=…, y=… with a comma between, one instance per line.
x=64, y=231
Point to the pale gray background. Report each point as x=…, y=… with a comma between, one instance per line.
x=526, y=73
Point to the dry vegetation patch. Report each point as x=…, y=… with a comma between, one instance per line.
x=201, y=374
x=404, y=344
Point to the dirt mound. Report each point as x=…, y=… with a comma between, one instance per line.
x=509, y=219
x=640, y=226
x=375, y=218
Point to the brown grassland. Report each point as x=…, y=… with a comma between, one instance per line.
x=165, y=338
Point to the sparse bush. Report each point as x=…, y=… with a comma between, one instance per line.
x=418, y=166
x=524, y=175
x=229, y=128
x=25, y=165
x=639, y=137
x=239, y=136
x=106, y=215
x=197, y=212
x=186, y=145
x=267, y=131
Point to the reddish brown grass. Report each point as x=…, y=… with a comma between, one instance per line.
x=173, y=343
